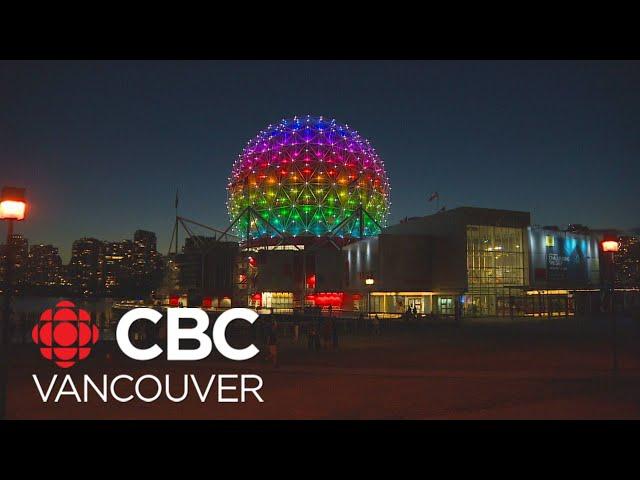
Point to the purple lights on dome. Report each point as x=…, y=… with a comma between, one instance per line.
x=305, y=176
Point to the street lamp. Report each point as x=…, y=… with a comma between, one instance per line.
x=609, y=248
x=13, y=207
x=369, y=281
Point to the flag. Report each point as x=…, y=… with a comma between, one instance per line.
x=176, y=198
x=434, y=196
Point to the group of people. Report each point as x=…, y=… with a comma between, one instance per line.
x=375, y=323
x=322, y=334
x=411, y=312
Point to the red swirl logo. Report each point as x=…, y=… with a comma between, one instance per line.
x=65, y=334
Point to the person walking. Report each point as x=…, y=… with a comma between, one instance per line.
x=272, y=342
x=334, y=334
x=458, y=310
x=310, y=336
x=296, y=329
x=316, y=334
x=376, y=325
x=326, y=333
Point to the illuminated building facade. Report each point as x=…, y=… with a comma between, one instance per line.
x=287, y=279
x=117, y=264
x=126, y=267
x=86, y=267
x=45, y=266
x=627, y=261
x=485, y=261
x=20, y=247
x=147, y=265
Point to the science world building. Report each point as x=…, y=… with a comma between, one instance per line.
x=308, y=202
x=298, y=192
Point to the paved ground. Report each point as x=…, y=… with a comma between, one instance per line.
x=551, y=369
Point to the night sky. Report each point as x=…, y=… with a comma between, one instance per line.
x=102, y=146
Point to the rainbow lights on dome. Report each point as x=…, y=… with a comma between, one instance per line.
x=306, y=176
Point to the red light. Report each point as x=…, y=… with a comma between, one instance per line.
x=610, y=246
x=311, y=281
x=335, y=299
x=174, y=300
x=207, y=302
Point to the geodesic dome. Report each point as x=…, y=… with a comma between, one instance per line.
x=306, y=177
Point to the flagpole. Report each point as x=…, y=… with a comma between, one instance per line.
x=177, y=226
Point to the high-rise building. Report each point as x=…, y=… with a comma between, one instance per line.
x=627, y=261
x=20, y=246
x=86, y=267
x=44, y=266
x=118, y=265
x=147, y=262
x=124, y=267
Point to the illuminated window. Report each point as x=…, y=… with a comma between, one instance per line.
x=495, y=263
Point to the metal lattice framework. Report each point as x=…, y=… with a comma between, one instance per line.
x=308, y=177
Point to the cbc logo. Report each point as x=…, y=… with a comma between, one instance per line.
x=65, y=334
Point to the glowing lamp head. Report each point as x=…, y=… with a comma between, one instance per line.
x=610, y=246
x=369, y=281
x=12, y=204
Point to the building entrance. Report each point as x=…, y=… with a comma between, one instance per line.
x=415, y=302
x=445, y=306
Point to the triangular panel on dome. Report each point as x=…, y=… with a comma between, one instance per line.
x=254, y=225
x=357, y=225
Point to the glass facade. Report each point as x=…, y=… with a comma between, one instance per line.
x=496, y=261
x=398, y=302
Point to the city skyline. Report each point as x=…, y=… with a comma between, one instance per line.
x=102, y=146
x=96, y=267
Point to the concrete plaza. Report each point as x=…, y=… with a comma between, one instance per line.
x=484, y=369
